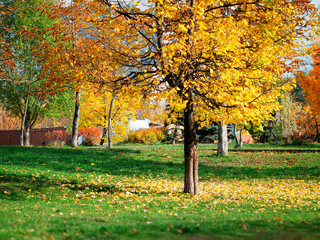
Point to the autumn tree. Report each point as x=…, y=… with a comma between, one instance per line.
x=7, y=121
x=67, y=59
x=310, y=82
x=311, y=87
x=288, y=118
x=222, y=58
x=110, y=109
x=308, y=123
x=19, y=67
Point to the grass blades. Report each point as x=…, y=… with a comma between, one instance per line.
x=135, y=192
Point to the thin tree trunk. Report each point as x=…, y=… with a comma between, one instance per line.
x=239, y=142
x=317, y=127
x=222, y=139
x=274, y=135
x=27, y=135
x=104, y=133
x=235, y=135
x=22, y=126
x=175, y=131
x=75, y=123
x=110, y=122
x=240, y=139
x=190, y=151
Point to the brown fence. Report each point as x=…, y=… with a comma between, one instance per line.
x=37, y=136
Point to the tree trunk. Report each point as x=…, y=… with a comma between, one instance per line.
x=239, y=142
x=274, y=135
x=27, y=136
x=75, y=123
x=21, y=134
x=175, y=133
x=317, y=130
x=240, y=139
x=27, y=129
x=24, y=116
x=110, y=122
x=222, y=140
x=190, y=151
x=104, y=133
x=235, y=135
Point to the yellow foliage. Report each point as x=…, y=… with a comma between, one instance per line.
x=150, y=135
x=95, y=107
x=223, y=58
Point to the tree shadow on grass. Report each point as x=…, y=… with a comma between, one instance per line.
x=18, y=187
x=186, y=229
x=127, y=162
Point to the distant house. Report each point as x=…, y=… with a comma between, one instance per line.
x=138, y=124
x=143, y=124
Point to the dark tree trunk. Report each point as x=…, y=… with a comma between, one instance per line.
x=22, y=126
x=190, y=151
x=174, y=136
x=110, y=122
x=104, y=134
x=317, y=127
x=222, y=140
x=274, y=135
x=75, y=123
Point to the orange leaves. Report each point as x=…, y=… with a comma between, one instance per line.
x=311, y=82
x=69, y=57
x=91, y=135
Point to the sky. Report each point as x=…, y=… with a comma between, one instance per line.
x=316, y=2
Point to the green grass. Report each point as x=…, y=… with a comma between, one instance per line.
x=266, y=146
x=135, y=192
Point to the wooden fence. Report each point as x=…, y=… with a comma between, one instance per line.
x=37, y=136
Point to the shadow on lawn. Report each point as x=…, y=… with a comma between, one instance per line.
x=134, y=162
x=157, y=229
x=17, y=187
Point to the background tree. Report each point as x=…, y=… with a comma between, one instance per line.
x=7, y=121
x=287, y=118
x=310, y=82
x=110, y=110
x=67, y=60
x=20, y=68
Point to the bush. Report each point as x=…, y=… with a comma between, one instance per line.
x=57, y=137
x=91, y=136
x=150, y=135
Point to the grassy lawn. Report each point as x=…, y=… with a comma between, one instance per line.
x=264, y=146
x=135, y=192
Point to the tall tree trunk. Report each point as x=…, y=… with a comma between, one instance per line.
x=317, y=127
x=104, y=134
x=190, y=151
x=240, y=139
x=239, y=142
x=110, y=122
x=24, y=116
x=175, y=132
x=27, y=135
x=222, y=139
x=27, y=128
x=235, y=135
x=75, y=123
